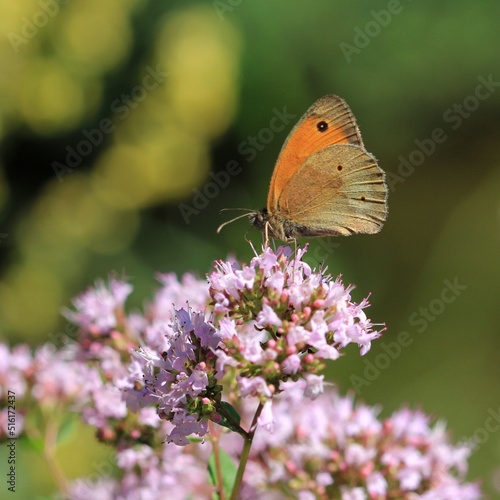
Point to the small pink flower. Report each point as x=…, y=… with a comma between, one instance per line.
x=267, y=317
x=96, y=308
x=376, y=484
x=291, y=364
x=314, y=386
x=266, y=419
x=254, y=386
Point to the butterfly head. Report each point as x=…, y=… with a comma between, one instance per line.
x=273, y=226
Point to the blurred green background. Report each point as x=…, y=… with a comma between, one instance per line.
x=113, y=114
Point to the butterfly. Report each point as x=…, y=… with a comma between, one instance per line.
x=324, y=183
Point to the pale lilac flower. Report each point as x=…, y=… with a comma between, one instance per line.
x=58, y=378
x=227, y=328
x=181, y=382
x=174, y=294
x=167, y=472
x=256, y=335
x=148, y=416
x=291, y=364
x=348, y=493
x=279, y=318
x=409, y=479
x=9, y=430
x=306, y=495
x=358, y=455
x=376, y=484
x=186, y=424
x=49, y=378
x=14, y=365
x=83, y=489
x=109, y=402
x=314, y=386
x=267, y=317
x=254, y=386
x=324, y=479
x=266, y=418
x=223, y=361
x=335, y=448
x=97, y=307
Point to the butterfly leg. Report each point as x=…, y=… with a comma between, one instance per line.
x=295, y=256
x=266, y=234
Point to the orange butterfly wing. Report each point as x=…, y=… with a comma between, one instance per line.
x=327, y=122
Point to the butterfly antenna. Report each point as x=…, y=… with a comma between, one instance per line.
x=232, y=220
x=227, y=209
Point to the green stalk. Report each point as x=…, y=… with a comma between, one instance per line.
x=218, y=470
x=245, y=452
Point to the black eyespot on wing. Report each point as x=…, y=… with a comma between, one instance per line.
x=339, y=168
x=322, y=126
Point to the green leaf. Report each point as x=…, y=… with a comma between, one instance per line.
x=35, y=443
x=194, y=439
x=230, y=418
x=66, y=429
x=228, y=471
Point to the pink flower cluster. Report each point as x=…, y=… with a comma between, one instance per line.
x=279, y=320
x=272, y=321
x=168, y=472
x=118, y=397
x=330, y=448
x=335, y=448
x=255, y=335
x=46, y=378
x=180, y=381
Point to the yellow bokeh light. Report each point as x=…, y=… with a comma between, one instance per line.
x=156, y=170
x=162, y=140
x=30, y=297
x=119, y=177
x=201, y=56
x=108, y=230
x=94, y=36
x=50, y=99
x=54, y=215
x=70, y=214
x=157, y=148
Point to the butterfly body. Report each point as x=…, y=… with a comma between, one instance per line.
x=324, y=183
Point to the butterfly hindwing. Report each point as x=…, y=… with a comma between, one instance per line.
x=339, y=190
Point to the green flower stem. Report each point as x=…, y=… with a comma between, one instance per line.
x=245, y=452
x=218, y=470
x=49, y=453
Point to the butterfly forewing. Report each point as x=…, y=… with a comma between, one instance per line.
x=327, y=122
